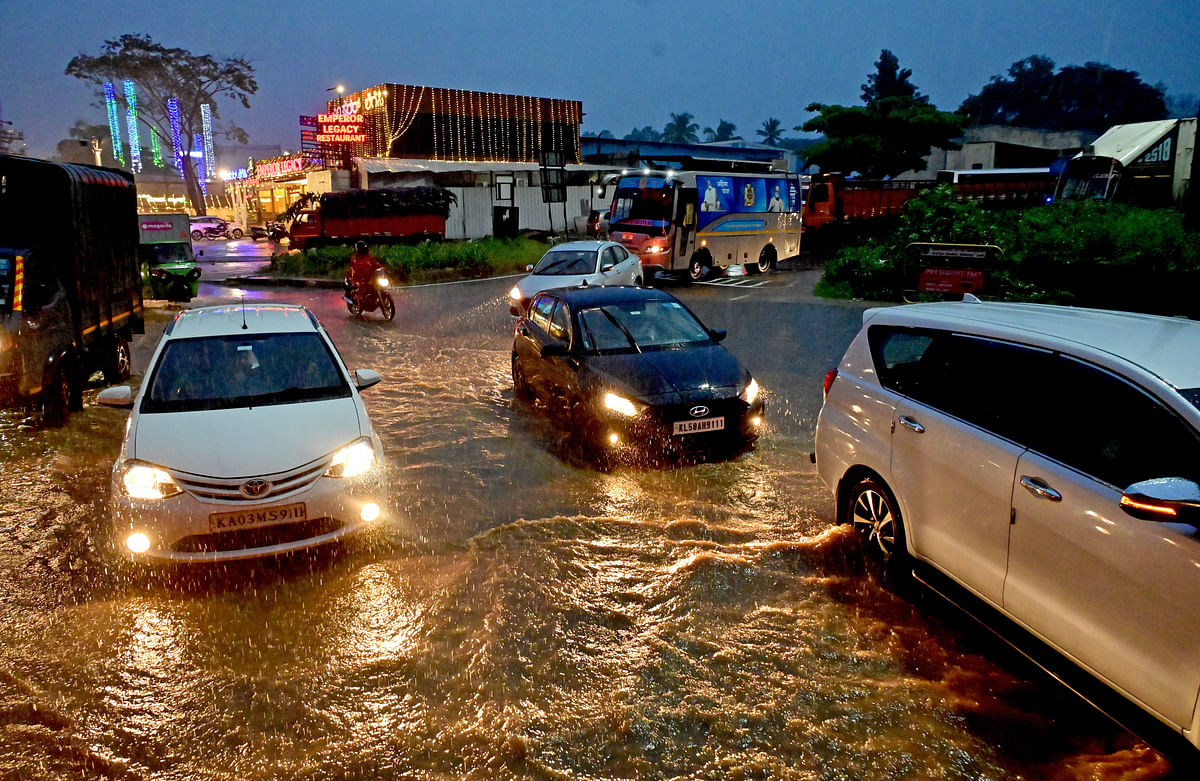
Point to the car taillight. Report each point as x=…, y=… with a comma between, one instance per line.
x=830, y=376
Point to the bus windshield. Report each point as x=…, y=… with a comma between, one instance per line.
x=642, y=209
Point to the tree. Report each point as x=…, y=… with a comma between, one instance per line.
x=646, y=133
x=724, y=132
x=889, y=81
x=681, y=130
x=771, y=131
x=893, y=133
x=77, y=146
x=1088, y=97
x=160, y=74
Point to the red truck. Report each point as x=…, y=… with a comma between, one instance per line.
x=402, y=214
x=832, y=198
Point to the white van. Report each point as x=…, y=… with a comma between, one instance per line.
x=1047, y=460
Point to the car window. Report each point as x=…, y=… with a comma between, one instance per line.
x=608, y=259
x=232, y=371
x=621, y=254
x=539, y=313
x=566, y=262
x=560, y=324
x=1105, y=426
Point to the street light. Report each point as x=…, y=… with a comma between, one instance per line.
x=339, y=88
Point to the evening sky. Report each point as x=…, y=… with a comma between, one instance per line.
x=631, y=62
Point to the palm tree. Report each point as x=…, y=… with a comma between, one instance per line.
x=724, y=131
x=681, y=130
x=771, y=131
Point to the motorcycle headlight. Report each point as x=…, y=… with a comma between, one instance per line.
x=750, y=392
x=352, y=460
x=382, y=281
x=621, y=405
x=145, y=481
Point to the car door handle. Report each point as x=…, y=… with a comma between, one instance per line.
x=910, y=423
x=1040, y=488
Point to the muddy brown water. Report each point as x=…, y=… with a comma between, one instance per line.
x=520, y=615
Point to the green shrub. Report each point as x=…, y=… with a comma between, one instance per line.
x=408, y=262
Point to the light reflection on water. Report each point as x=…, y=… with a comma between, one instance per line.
x=522, y=615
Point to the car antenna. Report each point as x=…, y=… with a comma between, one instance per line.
x=244, y=326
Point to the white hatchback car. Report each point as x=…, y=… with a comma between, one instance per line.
x=247, y=438
x=1046, y=460
x=575, y=263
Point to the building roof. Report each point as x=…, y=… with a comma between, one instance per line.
x=396, y=165
x=1126, y=143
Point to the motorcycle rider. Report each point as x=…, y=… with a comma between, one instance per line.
x=362, y=268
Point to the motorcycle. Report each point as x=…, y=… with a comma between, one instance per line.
x=276, y=231
x=371, y=297
x=216, y=232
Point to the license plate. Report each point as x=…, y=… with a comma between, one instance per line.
x=260, y=516
x=699, y=426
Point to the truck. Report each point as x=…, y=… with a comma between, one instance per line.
x=1142, y=163
x=70, y=282
x=168, y=264
x=399, y=214
x=832, y=199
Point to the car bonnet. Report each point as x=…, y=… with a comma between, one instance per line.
x=243, y=441
x=672, y=375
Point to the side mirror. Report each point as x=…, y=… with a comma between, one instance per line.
x=365, y=378
x=529, y=267
x=116, y=396
x=718, y=334
x=554, y=350
x=607, y=266
x=200, y=253
x=1166, y=499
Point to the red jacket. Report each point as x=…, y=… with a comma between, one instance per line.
x=361, y=268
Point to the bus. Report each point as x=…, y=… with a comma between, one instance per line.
x=1009, y=185
x=696, y=224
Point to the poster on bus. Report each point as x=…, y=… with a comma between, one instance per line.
x=721, y=195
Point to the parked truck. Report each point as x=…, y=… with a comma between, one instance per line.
x=1144, y=163
x=70, y=287
x=169, y=268
x=380, y=215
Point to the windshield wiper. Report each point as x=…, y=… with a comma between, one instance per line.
x=604, y=311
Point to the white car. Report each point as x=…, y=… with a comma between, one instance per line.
x=575, y=263
x=199, y=225
x=247, y=438
x=1044, y=459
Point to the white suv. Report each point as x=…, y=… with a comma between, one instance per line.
x=1047, y=460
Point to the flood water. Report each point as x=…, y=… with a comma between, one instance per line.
x=520, y=615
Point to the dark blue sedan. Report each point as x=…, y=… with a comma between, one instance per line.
x=633, y=371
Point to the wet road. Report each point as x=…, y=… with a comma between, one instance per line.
x=521, y=615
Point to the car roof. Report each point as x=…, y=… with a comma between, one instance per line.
x=1168, y=347
x=228, y=320
x=576, y=246
x=599, y=295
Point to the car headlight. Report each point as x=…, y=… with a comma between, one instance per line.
x=144, y=481
x=352, y=460
x=515, y=293
x=750, y=393
x=620, y=404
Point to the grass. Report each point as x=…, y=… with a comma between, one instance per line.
x=424, y=262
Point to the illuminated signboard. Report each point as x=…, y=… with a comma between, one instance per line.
x=277, y=168
x=340, y=129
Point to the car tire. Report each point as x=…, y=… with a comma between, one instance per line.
x=236, y=233
x=521, y=389
x=197, y=235
x=118, y=364
x=637, y=282
x=873, y=511
x=766, y=261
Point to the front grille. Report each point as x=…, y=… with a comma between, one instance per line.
x=230, y=490
x=247, y=539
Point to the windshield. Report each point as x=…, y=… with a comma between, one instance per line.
x=642, y=210
x=160, y=254
x=636, y=326
x=1192, y=395
x=220, y=372
x=565, y=262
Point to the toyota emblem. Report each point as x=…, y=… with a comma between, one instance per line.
x=698, y=411
x=253, y=489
